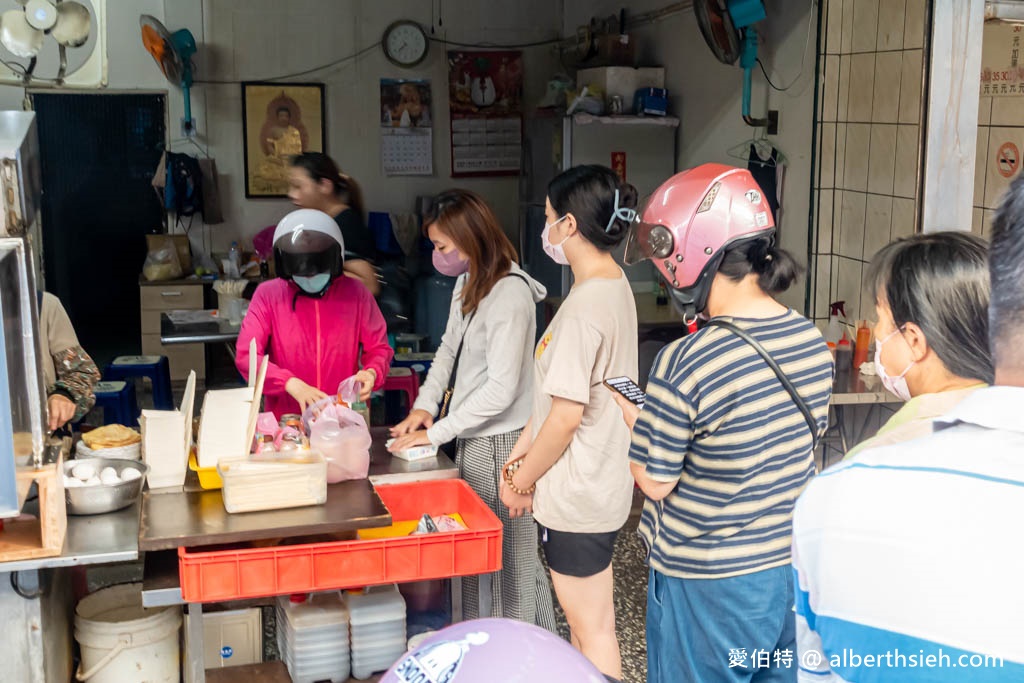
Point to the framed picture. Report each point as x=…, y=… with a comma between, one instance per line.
x=279, y=120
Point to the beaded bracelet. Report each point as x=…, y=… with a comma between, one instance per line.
x=510, y=471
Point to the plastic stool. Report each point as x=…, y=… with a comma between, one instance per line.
x=118, y=402
x=156, y=368
x=405, y=380
x=419, y=363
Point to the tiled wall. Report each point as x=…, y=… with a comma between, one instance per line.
x=870, y=72
x=1000, y=126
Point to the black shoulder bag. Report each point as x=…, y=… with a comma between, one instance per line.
x=812, y=424
x=446, y=398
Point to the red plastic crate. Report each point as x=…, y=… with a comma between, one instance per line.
x=217, y=575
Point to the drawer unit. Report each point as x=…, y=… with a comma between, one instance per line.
x=158, y=298
x=171, y=297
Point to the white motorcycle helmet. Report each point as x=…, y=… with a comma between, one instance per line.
x=309, y=250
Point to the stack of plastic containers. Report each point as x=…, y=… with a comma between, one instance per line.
x=312, y=637
x=377, y=620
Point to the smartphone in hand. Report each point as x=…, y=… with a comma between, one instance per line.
x=628, y=389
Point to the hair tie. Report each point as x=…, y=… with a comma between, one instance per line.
x=625, y=213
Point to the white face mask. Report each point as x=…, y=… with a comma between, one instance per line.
x=897, y=385
x=555, y=251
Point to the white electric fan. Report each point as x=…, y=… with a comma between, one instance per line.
x=60, y=33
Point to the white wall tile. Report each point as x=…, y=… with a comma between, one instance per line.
x=997, y=163
x=882, y=165
x=978, y=221
x=862, y=85
x=825, y=218
x=985, y=111
x=981, y=166
x=903, y=222
x=847, y=27
x=851, y=236
x=843, y=97
x=914, y=28
x=833, y=26
x=877, y=224
x=829, y=87
x=891, y=15
x=827, y=167
x=885, y=105
x=865, y=25
x=858, y=143
x=986, y=223
x=1007, y=111
x=912, y=74
x=822, y=280
x=907, y=149
x=850, y=287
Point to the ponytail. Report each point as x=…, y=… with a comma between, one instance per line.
x=320, y=167
x=776, y=268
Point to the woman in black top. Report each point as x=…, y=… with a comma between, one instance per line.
x=316, y=183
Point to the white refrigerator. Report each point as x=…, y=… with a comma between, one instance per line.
x=643, y=147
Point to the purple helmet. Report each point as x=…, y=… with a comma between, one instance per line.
x=493, y=650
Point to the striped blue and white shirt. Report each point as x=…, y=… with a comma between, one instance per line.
x=719, y=424
x=913, y=554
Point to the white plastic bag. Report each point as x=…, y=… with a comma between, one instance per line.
x=342, y=437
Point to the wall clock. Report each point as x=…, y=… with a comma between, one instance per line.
x=405, y=43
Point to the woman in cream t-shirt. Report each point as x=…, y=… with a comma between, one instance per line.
x=574, y=472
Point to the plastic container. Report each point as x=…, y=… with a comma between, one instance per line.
x=273, y=484
x=377, y=622
x=209, y=478
x=121, y=641
x=216, y=575
x=312, y=637
x=860, y=353
x=835, y=329
x=844, y=355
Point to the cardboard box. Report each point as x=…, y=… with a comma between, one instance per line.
x=623, y=81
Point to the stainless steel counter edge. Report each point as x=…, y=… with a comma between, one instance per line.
x=91, y=539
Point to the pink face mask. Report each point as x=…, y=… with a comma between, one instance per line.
x=451, y=264
x=898, y=384
x=554, y=251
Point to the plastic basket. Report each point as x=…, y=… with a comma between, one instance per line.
x=216, y=575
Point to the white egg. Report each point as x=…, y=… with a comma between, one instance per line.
x=71, y=482
x=84, y=471
x=109, y=476
x=94, y=481
x=130, y=474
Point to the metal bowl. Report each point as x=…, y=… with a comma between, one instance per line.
x=95, y=500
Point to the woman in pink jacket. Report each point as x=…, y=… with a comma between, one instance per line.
x=317, y=327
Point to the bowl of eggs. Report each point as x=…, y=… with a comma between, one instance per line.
x=93, y=486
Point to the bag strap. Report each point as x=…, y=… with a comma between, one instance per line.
x=458, y=353
x=812, y=424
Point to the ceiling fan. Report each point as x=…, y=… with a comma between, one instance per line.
x=728, y=29
x=27, y=28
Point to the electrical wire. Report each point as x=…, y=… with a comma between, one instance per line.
x=497, y=46
x=803, y=58
x=336, y=62
x=20, y=70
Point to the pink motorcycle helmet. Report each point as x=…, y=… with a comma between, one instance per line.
x=690, y=221
x=496, y=651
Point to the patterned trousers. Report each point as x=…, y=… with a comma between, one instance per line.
x=521, y=589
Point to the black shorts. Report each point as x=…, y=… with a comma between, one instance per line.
x=575, y=554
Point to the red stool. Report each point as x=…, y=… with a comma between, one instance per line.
x=405, y=380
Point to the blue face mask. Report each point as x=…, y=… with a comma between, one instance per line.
x=314, y=284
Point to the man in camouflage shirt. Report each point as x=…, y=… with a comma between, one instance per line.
x=68, y=371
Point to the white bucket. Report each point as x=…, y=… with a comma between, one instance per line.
x=121, y=641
